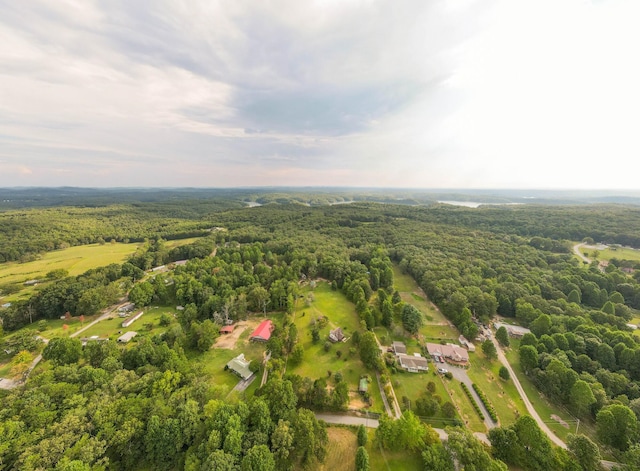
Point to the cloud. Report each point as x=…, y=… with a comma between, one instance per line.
x=360, y=92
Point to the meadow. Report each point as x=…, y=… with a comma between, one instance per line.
x=318, y=362
x=76, y=260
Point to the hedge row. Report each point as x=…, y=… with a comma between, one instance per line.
x=485, y=401
x=473, y=401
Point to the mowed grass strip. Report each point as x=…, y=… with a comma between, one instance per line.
x=502, y=394
x=341, y=450
x=411, y=293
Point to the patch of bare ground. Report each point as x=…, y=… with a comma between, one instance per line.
x=356, y=402
x=341, y=450
x=229, y=340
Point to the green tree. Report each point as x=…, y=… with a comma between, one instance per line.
x=282, y=443
x=362, y=459
x=63, y=350
x=297, y=354
x=411, y=319
x=504, y=373
x=502, y=336
x=489, y=349
x=617, y=426
x=369, y=351
x=258, y=458
x=142, y=293
x=528, y=358
x=437, y=458
x=585, y=452
x=362, y=435
x=581, y=398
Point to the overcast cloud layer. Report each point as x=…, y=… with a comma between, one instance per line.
x=429, y=94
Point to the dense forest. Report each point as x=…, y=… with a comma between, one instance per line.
x=147, y=403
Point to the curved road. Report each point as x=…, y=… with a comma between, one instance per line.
x=530, y=409
x=576, y=250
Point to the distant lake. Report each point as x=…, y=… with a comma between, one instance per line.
x=472, y=204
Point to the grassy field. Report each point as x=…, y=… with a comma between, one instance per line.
x=170, y=244
x=341, y=450
x=386, y=460
x=503, y=394
x=76, y=260
x=317, y=362
x=614, y=252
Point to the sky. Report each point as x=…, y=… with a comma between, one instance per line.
x=538, y=94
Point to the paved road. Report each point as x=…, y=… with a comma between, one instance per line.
x=576, y=250
x=10, y=384
x=532, y=412
x=374, y=423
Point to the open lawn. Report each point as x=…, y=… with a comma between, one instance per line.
x=317, y=362
x=411, y=293
x=212, y=362
x=112, y=328
x=503, y=394
x=621, y=253
x=386, y=460
x=462, y=402
x=170, y=244
x=341, y=450
x=414, y=385
x=76, y=260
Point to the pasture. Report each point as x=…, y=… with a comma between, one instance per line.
x=76, y=260
x=317, y=361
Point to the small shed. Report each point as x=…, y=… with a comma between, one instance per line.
x=336, y=335
x=363, y=386
x=227, y=329
x=124, y=338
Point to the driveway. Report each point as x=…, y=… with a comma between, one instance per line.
x=461, y=375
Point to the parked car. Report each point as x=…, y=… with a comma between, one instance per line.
x=442, y=370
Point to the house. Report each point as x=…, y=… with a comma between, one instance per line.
x=126, y=307
x=128, y=322
x=413, y=363
x=227, y=329
x=262, y=332
x=240, y=366
x=453, y=353
x=514, y=331
x=31, y=282
x=466, y=344
x=399, y=348
x=336, y=335
x=124, y=338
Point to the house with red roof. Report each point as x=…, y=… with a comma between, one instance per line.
x=263, y=331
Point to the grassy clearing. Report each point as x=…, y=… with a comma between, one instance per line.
x=341, y=450
x=76, y=260
x=5, y=369
x=411, y=293
x=621, y=253
x=414, y=385
x=503, y=394
x=541, y=404
x=386, y=460
x=170, y=244
x=317, y=362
